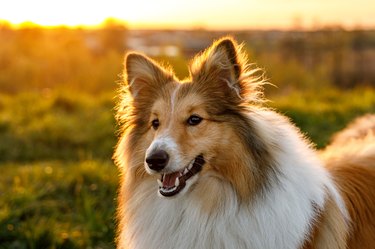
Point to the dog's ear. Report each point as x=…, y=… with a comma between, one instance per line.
x=220, y=67
x=142, y=74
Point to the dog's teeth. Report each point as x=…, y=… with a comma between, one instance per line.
x=159, y=183
x=177, y=182
x=190, y=165
x=168, y=190
x=185, y=171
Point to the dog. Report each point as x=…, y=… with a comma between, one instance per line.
x=204, y=165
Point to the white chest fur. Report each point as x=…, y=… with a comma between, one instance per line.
x=279, y=218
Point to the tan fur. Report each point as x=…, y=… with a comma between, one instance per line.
x=357, y=186
x=329, y=229
x=357, y=130
x=216, y=64
x=351, y=160
x=147, y=95
x=221, y=90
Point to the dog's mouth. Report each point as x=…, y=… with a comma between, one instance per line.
x=171, y=184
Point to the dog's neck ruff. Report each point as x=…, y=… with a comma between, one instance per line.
x=172, y=183
x=281, y=217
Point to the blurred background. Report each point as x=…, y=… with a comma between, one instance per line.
x=61, y=63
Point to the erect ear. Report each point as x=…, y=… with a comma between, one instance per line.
x=220, y=67
x=142, y=74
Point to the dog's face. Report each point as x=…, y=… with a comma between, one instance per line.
x=182, y=134
x=183, y=130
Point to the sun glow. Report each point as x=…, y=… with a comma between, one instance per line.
x=217, y=14
x=52, y=13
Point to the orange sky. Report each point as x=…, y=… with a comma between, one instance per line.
x=212, y=14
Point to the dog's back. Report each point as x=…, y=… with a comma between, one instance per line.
x=351, y=160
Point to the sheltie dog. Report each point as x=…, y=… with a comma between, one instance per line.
x=204, y=165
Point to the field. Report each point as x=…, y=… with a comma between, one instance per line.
x=57, y=127
x=58, y=183
x=57, y=205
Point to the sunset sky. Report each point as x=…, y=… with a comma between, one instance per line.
x=212, y=14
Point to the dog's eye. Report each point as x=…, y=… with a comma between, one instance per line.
x=194, y=120
x=155, y=123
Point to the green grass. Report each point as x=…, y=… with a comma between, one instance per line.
x=57, y=205
x=320, y=114
x=57, y=183
x=61, y=126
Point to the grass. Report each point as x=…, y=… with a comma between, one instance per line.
x=56, y=126
x=57, y=205
x=320, y=114
x=71, y=127
x=57, y=183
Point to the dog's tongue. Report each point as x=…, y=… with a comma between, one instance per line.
x=169, y=179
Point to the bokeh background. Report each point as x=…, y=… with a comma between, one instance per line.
x=61, y=64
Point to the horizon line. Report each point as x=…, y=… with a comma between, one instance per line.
x=188, y=27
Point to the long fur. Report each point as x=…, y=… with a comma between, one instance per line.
x=350, y=158
x=262, y=186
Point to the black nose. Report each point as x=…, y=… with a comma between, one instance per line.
x=157, y=160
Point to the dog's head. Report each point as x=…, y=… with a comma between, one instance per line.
x=180, y=131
